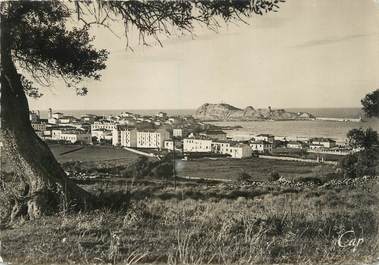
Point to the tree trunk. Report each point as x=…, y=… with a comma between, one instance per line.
x=47, y=188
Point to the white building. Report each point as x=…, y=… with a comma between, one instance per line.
x=53, y=121
x=281, y=138
x=72, y=136
x=39, y=126
x=177, y=132
x=220, y=147
x=261, y=146
x=127, y=114
x=90, y=118
x=57, y=115
x=102, y=134
x=264, y=137
x=162, y=115
x=124, y=136
x=317, y=143
x=169, y=145
x=67, y=119
x=197, y=145
x=34, y=116
x=152, y=138
x=235, y=150
x=296, y=145
x=104, y=124
x=240, y=151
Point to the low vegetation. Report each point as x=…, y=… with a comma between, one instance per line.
x=203, y=222
x=292, y=213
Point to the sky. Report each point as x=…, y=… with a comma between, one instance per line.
x=310, y=54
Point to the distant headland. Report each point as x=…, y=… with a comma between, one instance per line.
x=226, y=112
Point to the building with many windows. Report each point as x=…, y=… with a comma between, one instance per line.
x=104, y=124
x=102, y=134
x=197, y=145
x=124, y=136
x=239, y=151
x=318, y=143
x=71, y=135
x=220, y=147
x=261, y=146
x=264, y=137
x=39, y=126
x=152, y=138
x=234, y=149
x=180, y=132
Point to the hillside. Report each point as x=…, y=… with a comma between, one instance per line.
x=226, y=112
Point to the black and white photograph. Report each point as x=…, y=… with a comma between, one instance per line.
x=225, y=132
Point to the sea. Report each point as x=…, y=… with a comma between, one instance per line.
x=336, y=130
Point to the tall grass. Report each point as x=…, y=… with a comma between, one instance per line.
x=248, y=225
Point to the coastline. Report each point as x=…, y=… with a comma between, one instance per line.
x=296, y=129
x=347, y=113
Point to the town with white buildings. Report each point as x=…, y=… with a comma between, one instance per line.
x=165, y=134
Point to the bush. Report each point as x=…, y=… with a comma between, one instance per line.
x=144, y=167
x=243, y=177
x=274, y=176
x=359, y=164
x=140, y=168
x=163, y=170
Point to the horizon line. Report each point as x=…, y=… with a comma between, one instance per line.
x=100, y=109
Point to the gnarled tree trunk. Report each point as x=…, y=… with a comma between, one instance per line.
x=46, y=184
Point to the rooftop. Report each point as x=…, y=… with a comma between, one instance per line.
x=198, y=138
x=260, y=142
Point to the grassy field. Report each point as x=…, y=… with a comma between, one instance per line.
x=90, y=153
x=224, y=168
x=202, y=223
x=93, y=156
x=147, y=220
x=305, y=155
x=258, y=168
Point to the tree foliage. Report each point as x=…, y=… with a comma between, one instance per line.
x=45, y=47
x=363, y=139
x=364, y=161
x=42, y=45
x=359, y=164
x=46, y=40
x=143, y=167
x=370, y=104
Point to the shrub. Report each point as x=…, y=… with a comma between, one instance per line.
x=243, y=177
x=274, y=176
x=140, y=168
x=164, y=170
x=359, y=164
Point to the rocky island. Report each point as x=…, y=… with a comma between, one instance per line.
x=226, y=112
